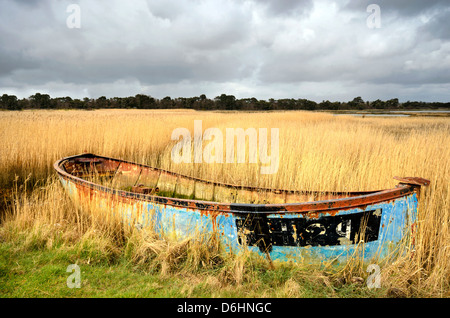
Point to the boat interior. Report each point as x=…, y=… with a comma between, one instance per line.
x=137, y=178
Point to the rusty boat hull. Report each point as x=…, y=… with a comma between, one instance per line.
x=279, y=224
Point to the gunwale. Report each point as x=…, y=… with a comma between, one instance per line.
x=352, y=200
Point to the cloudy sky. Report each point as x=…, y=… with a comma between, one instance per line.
x=318, y=50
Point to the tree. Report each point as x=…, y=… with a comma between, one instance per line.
x=306, y=104
x=205, y=103
x=264, y=105
x=392, y=103
x=357, y=103
x=325, y=104
x=285, y=103
x=89, y=103
x=41, y=101
x=248, y=103
x=9, y=102
x=378, y=104
x=167, y=102
x=116, y=102
x=227, y=102
x=101, y=102
x=24, y=103
x=144, y=101
x=77, y=104
x=62, y=102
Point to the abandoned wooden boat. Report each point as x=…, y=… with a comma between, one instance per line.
x=281, y=224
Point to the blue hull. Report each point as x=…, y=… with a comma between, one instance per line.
x=368, y=226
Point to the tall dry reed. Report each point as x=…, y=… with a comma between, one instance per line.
x=318, y=151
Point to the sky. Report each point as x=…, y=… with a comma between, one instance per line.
x=318, y=50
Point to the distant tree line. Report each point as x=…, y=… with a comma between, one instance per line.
x=222, y=102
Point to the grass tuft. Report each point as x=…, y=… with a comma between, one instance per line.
x=42, y=232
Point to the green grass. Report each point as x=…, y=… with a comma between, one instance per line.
x=317, y=152
x=41, y=272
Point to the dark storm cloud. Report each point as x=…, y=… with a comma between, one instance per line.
x=260, y=48
x=29, y=3
x=398, y=53
x=193, y=47
x=287, y=7
x=438, y=26
x=10, y=61
x=400, y=8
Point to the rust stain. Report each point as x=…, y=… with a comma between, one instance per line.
x=413, y=180
x=79, y=168
x=144, y=190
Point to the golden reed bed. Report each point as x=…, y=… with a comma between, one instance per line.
x=317, y=151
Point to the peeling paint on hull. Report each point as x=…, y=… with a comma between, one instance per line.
x=328, y=229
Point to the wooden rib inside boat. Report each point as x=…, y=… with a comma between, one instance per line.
x=281, y=224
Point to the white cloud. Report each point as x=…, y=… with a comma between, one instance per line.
x=254, y=48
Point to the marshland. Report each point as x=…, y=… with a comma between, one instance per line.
x=42, y=231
